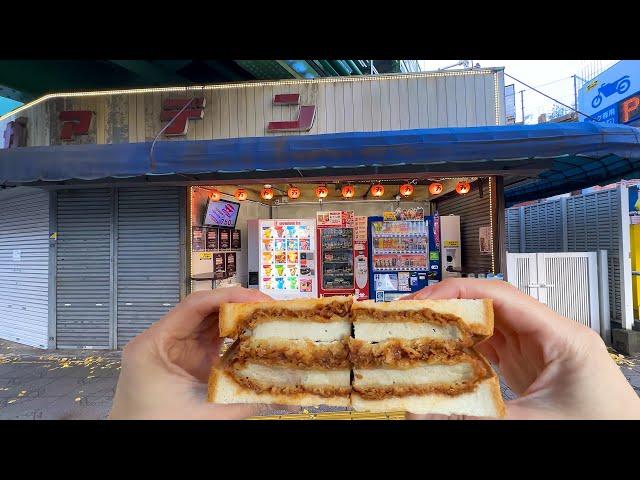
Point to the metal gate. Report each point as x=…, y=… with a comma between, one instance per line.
x=566, y=282
x=148, y=257
x=24, y=266
x=83, y=269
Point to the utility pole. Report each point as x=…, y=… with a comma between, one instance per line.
x=575, y=98
x=522, y=104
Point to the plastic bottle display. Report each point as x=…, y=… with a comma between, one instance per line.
x=400, y=245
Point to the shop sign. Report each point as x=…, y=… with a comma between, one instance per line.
x=306, y=115
x=15, y=134
x=634, y=201
x=204, y=256
x=74, y=123
x=180, y=124
x=602, y=97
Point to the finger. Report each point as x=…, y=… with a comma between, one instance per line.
x=185, y=317
x=487, y=349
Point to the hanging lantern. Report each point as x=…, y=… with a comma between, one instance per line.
x=377, y=190
x=348, y=191
x=293, y=192
x=322, y=191
x=241, y=194
x=406, y=190
x=267, y=192
x=436, y=188
x=463, y=187
x=214, y=194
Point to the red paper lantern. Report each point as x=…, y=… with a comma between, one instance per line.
x=377, y=190
x=241, y=194
x=293, y=192
x=322, y=191
x=436, y=188
x=348, y=191
x=463, y=188
x=267, y=192
x=215, y=195
x=406, y=190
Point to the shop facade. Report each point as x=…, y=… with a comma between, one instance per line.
x=124, y=182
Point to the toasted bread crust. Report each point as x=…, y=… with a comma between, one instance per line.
x=235, y=317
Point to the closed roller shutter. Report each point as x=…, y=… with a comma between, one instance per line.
x=474, y=213
x=148, y=257
x=83, y=282
x=24, y=267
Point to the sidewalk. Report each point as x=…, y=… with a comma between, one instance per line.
x=80, y=384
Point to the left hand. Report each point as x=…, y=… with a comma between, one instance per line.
x=165, y=369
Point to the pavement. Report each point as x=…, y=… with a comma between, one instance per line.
x=80, y=384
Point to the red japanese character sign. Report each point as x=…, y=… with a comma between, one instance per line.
x=306, y=115
x=75, y=122
x=173, y=107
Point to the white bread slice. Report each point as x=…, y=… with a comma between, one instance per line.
x=476, y=316
x=297, y=330
x=232, y=315
x=224, y=389
x=484, y=401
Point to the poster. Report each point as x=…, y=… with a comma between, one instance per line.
x=235, y=240
x=212, y=238
x=219, y=268
x=360, y=230
x=335, y=218
x=231, y=263
x=416, y=213
x=197, y=239
x=485, y=240
x=224, y=239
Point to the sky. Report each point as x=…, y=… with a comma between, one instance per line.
x=553, y=77
x=6, y=105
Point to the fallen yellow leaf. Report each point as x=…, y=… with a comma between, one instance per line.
x=11, y=401
x=78, y=399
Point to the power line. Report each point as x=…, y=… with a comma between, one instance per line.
x=549, y=97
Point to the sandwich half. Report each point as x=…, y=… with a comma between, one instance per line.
x=290, y=352
x=418, y=356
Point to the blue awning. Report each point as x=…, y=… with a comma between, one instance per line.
x=577, y=154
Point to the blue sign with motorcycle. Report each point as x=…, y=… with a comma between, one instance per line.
x=600, y=96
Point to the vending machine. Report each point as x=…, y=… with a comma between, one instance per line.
x=400, y=256
x=451, y=249
x=342, y=254
x=287, y=258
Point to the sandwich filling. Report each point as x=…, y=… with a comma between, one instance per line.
x=295, y=353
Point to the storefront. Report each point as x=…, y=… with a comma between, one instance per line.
x=155, y=193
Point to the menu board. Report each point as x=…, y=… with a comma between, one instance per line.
x=212, y=238
x=287, y=258
x=225, y=238
x=235, y=239
x=335, y=218
x=219, y=267
x=231, y=263
x=360, y=230
x=197, y=239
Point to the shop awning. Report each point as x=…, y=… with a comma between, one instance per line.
x=565, y=156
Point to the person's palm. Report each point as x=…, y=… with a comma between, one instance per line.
x=165, y=368
x=557, y=367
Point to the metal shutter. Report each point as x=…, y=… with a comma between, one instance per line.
x=543, y=227
x=24, y=268
x=512, y=225
x=83, y=281
x=474, y=213
x=594, y=224
x=148, y=257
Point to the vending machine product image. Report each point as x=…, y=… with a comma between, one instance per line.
x=287, y=258
x=342, y=254
x=399, y=257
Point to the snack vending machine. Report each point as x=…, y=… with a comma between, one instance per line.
x=400, y=260
x=287, y=258
x=342, y=254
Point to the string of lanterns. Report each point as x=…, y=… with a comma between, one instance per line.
x=348, y=191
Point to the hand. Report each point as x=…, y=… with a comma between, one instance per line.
x=165, y=369
x=559, y=368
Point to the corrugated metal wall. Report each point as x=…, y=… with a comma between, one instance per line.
x=148, y=257
x=24, y=267
x=592, y=222
x=83, y=277
x=512, y=225
x=474, y=213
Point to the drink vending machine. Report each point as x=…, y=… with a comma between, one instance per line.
x=342, y=254
x=404, y=256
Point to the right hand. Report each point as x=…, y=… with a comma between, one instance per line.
x=559, y=368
